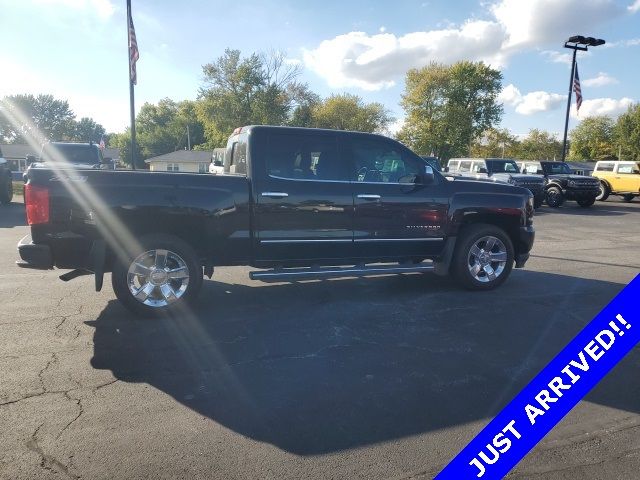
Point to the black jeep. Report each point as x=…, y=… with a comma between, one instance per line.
x=561, y=184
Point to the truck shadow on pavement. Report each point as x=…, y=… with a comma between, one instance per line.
x=12, y=215
x=331, y=365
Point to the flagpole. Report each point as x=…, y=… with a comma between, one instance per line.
x=131, y=93
x=566, y=120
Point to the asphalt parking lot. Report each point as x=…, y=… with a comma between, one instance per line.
x=385, y=377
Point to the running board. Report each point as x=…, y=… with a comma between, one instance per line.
x=310, y=273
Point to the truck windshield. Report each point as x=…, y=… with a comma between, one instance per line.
x=75, y=153
x=502, y=166
x=556, y=168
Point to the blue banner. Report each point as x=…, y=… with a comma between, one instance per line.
x=553, y=392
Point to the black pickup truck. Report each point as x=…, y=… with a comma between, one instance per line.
x=298, y=203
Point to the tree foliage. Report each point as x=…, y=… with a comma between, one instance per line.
x=627, y=133
x=495, y=143
x=593, y=139
x=168, y=126
x=350, y=112
x=447, y=107
x=539, y=145
x=39, y=117
x=259, y=89
x=43, y=118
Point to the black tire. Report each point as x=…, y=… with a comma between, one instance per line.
x=554, y=197
x=463, y=258
x=586, y=202
x=628, y=197
x=180, y=256
x=6, y=190
x=537, y=202
x=605, y=191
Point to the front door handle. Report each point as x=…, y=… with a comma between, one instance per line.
x=274, y=194
x=368, y=196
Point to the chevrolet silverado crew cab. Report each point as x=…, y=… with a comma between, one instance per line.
x=297, y=203
x=498, y=170
x=561, y=184
x=618, y=178
x=6, y=182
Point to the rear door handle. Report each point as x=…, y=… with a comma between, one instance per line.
x=368, y=196
x=274, y=194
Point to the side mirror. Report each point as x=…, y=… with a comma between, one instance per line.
x=540, y=172
x=428, y=177
x=217, y=163
x=30, y=159
x=482, y=170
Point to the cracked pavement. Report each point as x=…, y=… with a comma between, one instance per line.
x=387, y=377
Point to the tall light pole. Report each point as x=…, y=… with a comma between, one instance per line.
x=575, y=43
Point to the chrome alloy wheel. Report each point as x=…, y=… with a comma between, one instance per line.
x=487, y=259
x=158, y=278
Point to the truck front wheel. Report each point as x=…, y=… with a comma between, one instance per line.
x=483, y=257
x=604, y=193
x=555, y=198
x=586, y=202
x=160, y=276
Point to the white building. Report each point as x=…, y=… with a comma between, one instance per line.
x=190, y=161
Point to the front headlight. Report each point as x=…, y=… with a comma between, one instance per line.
x=571, y=183
x=511, y=181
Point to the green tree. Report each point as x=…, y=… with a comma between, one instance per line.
x=259, y=89
x=447, y=107
x=593, y=139
x=495, y=143
x=39, y=118
x=122, y=141
x=539, y=145
x=627, y=133
x=167, y=126
x=349, y=112
x=86, y=130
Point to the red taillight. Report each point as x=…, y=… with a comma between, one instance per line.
x=36, y=200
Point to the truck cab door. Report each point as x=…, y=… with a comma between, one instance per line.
x=303, y=201
x=396, y=215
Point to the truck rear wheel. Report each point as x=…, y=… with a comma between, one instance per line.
x=159, y=278
x=483, y=257
x=555, y=198
x=605, y=191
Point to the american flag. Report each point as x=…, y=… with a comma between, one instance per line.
x=134, y=54
x=577, y=89
x=102, y=145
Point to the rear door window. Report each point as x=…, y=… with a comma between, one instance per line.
x=465, y=166
x=304, y=157
x=605, y=167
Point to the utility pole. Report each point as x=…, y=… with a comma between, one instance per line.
x=188, y=138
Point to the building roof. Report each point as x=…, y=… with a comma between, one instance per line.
x=19, y=152
x=183, y=156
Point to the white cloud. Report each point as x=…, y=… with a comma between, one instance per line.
x=538, y=22
x=602, y=106
x=375, y=61
x=536, y=102
x=600, y=80
x=531, y=103
x=634, y=7
x=565, y=57
x=372, y=62
x=510, y=95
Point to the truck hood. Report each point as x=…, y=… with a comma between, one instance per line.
x=575, y=178
x=486, y=185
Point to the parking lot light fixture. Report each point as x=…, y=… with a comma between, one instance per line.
x=575, y=43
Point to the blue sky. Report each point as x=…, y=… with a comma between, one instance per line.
x=76, y=49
